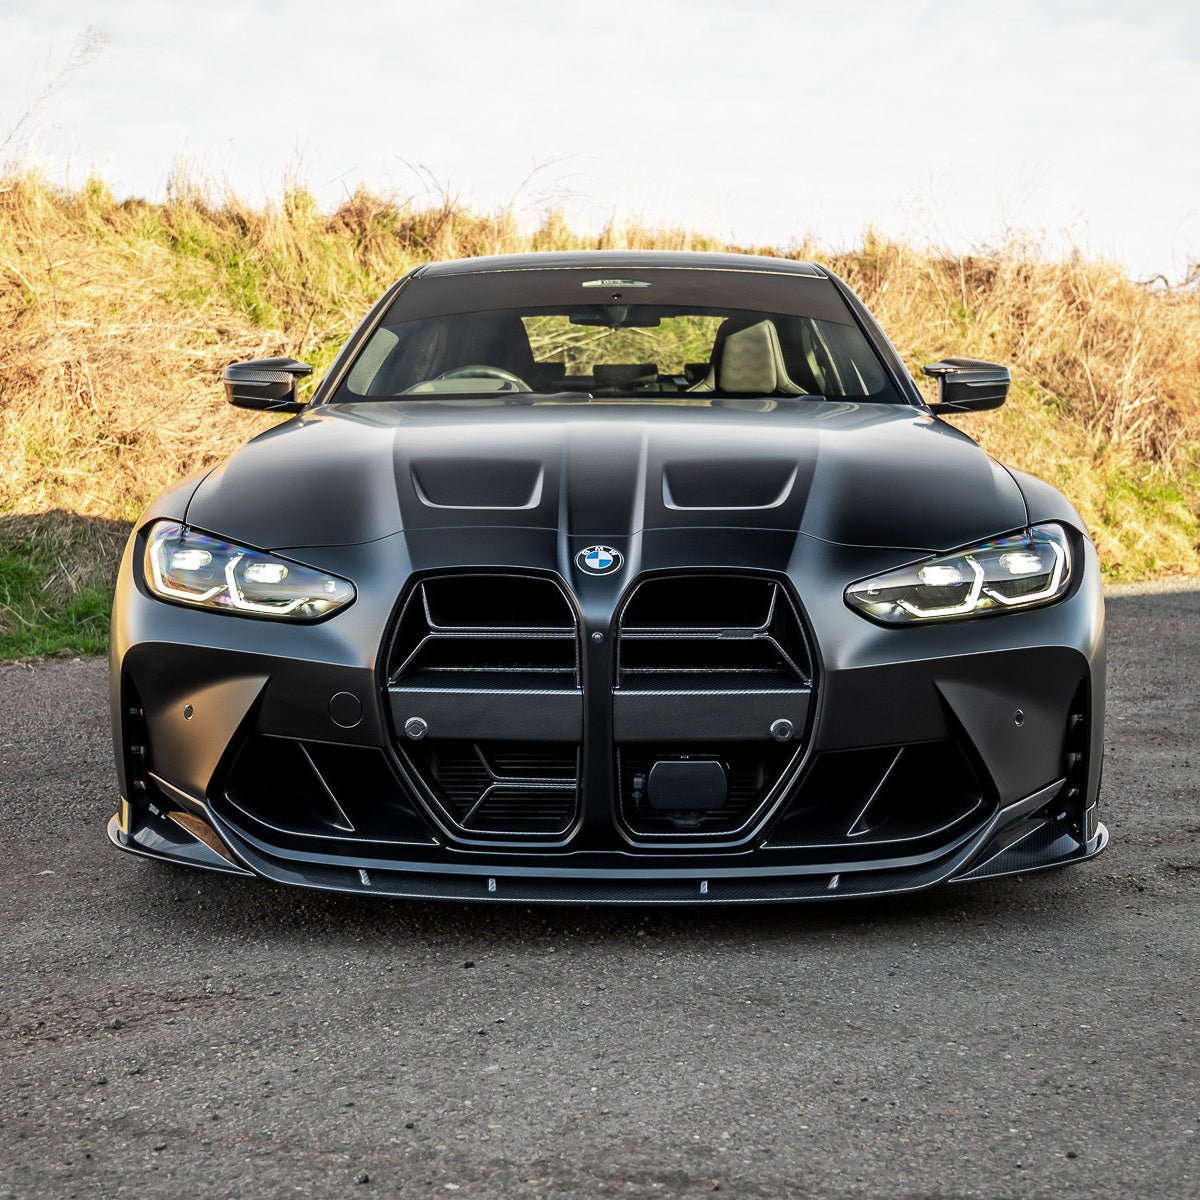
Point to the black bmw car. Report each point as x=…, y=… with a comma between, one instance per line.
x=611, y=577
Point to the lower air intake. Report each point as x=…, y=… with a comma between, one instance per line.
x=294, y=793
x=496, y=788
x=914, y=798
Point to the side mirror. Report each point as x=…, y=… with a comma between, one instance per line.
x=267, y=384
x=968, y=384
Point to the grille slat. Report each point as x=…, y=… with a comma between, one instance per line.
x=467, y=625
x=672, y=625
x=689, y=648
x=510, y=644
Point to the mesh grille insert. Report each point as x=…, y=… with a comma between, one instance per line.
x=493, y=788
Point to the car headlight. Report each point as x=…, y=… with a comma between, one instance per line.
x=187, y=567
x=1021, y=571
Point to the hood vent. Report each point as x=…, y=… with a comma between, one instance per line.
x=484, y=483
x=708, y=486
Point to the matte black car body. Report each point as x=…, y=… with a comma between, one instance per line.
x=913, y=756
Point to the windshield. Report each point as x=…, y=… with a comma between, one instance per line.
x=632, y=351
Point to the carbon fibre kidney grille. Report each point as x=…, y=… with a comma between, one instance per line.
x=484, y=690
x=714, y=668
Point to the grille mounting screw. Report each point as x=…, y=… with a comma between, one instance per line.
x=782, y=729
x=416, y=728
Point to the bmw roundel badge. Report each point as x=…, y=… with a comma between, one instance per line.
x=598, y=560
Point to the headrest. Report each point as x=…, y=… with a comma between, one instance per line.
x=498, y=339
x=748, y=360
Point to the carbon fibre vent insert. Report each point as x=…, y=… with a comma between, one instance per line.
x=914, y=797
x=484, y=669
x=294, y=793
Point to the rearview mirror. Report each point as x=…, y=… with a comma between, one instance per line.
x=968, y=384
x=614, y=316
x=266, y=384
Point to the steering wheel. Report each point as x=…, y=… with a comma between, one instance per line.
x=483, y=371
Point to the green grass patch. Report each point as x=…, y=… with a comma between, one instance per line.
x=1153, y=520
x=57, y=573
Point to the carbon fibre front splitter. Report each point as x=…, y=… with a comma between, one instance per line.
x=1002, y=847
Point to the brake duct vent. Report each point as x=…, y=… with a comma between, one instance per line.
x=913, y=797
x=296, y=793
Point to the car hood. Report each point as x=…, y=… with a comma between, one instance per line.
x=857, y=475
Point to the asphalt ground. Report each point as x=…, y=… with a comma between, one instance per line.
x=176, y=1034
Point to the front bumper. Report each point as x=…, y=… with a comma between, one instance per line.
x=1019, y=699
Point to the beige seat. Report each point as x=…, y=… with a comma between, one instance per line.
x=748, y=359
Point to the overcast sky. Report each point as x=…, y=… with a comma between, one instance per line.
x=758, y=120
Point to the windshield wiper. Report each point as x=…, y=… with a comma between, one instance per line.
x=536, y=397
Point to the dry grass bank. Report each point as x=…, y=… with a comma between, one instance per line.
x=116, y=318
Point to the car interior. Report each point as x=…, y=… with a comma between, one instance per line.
x=609, y=351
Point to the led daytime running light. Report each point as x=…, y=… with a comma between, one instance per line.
x=195, y=569
x=240, y=601
x=1021, y=571
x=956, y=609
x=157, y=550
x=1051, y=589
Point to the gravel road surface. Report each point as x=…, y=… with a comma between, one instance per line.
x=165, y=1033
